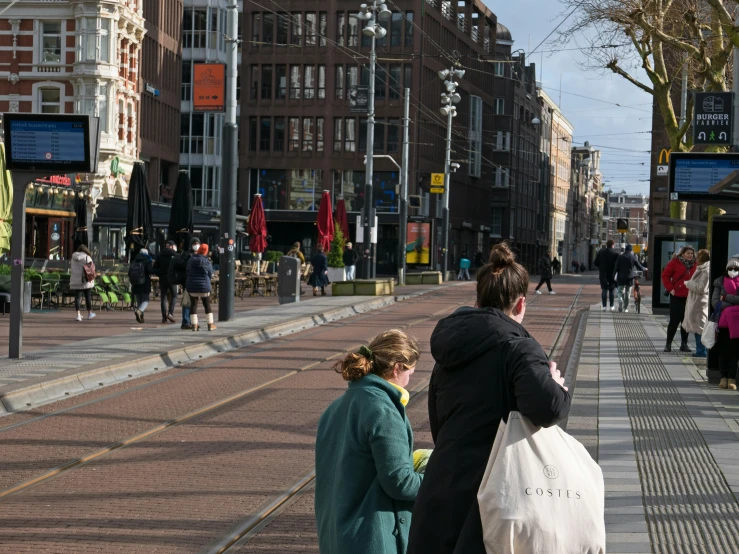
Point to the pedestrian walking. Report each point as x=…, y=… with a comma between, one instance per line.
x=295, y=252
x=139, y=274
x=679, y=269
x=625, y=273
x=545, y=274
x=605, y=261
x=199, y=275
x=726, y=298
x=82, y=280
x=319, y=277
x=350, y=262
x=365, y=478
x=487, y=365
x=556, y=266
x=167, y=289
x=178, y=276
x=464, y=268
x=696, y=308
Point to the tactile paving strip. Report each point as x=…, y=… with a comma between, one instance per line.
x=690, y=507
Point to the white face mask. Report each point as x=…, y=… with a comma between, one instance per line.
x=195, y=247
x=733, y=273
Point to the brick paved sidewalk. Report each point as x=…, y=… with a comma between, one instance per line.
x=667, y=441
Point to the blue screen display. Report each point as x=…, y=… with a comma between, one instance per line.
x=47, y=142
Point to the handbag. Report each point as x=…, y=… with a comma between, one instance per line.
x=186, y=300
x=709, y=336
x=541, y=493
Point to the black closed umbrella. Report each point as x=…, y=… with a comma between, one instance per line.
x=139, y=223
x=180, y=216
x=80, y=221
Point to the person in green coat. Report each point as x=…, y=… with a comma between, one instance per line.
x=365, y=478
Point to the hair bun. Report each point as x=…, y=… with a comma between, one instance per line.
x=501, y=256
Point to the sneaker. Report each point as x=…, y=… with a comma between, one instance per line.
x=538, y=292
x=552, y=292
x=91, y=315
x=78, y=318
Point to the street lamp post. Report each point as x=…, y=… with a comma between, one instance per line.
x=449, y=98
x=370, y=13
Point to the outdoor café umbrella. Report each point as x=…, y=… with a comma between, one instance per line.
x=6, y=204
x=325, y=222
x=180, y=216
x=80, y=221
x=139, y=223
x=257, y=229
x=341, y=218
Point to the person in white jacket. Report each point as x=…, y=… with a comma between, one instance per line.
x=79, y=283
x=696, y=308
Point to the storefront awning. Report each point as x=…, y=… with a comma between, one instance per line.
x=112, y=212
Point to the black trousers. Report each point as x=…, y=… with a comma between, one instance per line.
x=78, y=299
x=728, y=354
x=194, y=304
x=677, y=313
x=547, y=281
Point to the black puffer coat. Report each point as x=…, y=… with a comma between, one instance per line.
x=487, y=366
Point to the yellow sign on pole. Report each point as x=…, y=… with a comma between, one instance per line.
x=437, y=183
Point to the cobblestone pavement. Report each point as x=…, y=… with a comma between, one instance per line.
x=171, y=463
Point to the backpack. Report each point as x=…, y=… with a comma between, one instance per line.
x=88, y=272
x=137, y=273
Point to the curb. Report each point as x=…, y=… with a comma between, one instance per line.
x=67, y=386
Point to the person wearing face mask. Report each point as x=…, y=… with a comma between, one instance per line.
x=680, y=269
x=726, y=298
x=487, y=365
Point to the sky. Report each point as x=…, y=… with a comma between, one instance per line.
x=621, y=133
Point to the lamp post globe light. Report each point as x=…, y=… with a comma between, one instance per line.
x=371, y=13
x=448, y=109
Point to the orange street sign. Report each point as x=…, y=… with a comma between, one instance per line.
x=209, y=87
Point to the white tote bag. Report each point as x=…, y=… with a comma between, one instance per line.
x=542, y=493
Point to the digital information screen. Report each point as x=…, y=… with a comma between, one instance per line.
x=692, y=174
x=42, y=142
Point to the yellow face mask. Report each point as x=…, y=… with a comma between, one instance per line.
x=404, y=394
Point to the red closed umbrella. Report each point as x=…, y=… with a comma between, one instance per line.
x=257, y=229
x=325, y=222
x=341, y=218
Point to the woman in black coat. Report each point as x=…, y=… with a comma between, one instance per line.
x=487, y=365
x=319, y=277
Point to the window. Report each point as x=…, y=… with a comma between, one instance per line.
x=50, y=100
x=353, y=30
x=396, y=29
x=280, y=82
x=310, y=29
x=309, y=82
x=392, y=136
x=268, y=36
x=252, y=134
x=256, y=27
x=297, y=31
x=338, y=127
x=499, y=69
x=350, y=136
x=278, y=144
x=294, y=82
x=496, y=222
x=254, y=86
x=321, y=82
x=293, y=135
x=282, y=29
x=51, y=43
x=499, y=106
x=394, y=82
x=319, y=134
x=322, y=28
x=340, y=28
x=266, y=82
x=339, y=81
x=307, y=134
x=265, y=134
x=409, y=28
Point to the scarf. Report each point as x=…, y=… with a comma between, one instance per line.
x=404, y=395
x=687, y=263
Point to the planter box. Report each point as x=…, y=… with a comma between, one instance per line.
x=374, y=287
x=336, y=274
x=345, y=288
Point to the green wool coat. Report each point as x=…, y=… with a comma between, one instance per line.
x=365, y=482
